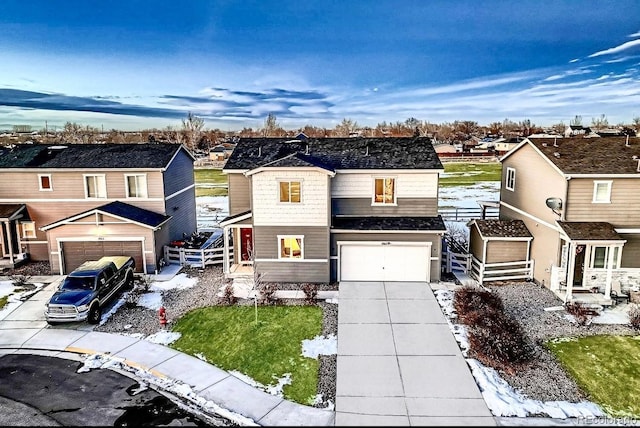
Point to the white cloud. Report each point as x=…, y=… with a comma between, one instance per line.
x=620, y=48
x=636, y=34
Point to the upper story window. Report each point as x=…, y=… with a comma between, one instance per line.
x=602, y=192
x=510, y=181
x=95, y=186
x=290, y=191
x=136, y=185
x=28, y=229
x=384, y=191
x=44, y=182
x=291, y=247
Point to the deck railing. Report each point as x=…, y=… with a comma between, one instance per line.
x=195, y=257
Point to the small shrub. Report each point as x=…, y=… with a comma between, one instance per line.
x=468, y=299
x=20, y=281
x=143, y=283
x=634, y=316
x=310, y=293
x=227, y=296
x=582, y=313
x=268, y=293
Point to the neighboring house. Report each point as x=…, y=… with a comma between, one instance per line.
x=580, y=199
x=71, y=203
x=217, y=153
x=334, y=209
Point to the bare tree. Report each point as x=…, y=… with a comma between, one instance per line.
x=576, y=121
x=192, y=129
x=599, y=122
x=346, y=127
x=271, y=126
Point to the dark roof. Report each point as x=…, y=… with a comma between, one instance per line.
x=339, y=153
x=233, y=217
x=145, y=155
x=606, y=155
x=121, y=209
x=299, y=160
x=9, y=210
x=502, y=228
x=589, y=230
x=390, y=223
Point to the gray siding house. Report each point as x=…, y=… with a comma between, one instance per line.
x=71, y=203
x=333, y=209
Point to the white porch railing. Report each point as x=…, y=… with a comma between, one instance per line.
x=628, y=277
x=195, y=257
x=452, y=261
x=484, y=272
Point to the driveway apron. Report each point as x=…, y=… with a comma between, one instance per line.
x=398, y=362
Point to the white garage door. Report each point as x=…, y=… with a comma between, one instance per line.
x=392, y=262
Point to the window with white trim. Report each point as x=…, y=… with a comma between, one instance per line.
x=28, y=229
x=95, y=186
x=602, y=192
x=510, y=179
x=290, y=191
x=136, y=185
x=44, y=182
x=600, y=257
x=384, y=191
x=291, y=247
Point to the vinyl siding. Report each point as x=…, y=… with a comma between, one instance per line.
x=313, y=209
x=623, y=211
x=408, y=185
x=536, y=180
x=179, y=174
x=405, y=206
x=316, y=246
x=239, y=193
x=476, y=244
x=183, y=219
x=631, y=251
x=434, y=239
x=506, y=251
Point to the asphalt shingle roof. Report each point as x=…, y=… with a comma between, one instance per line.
x=124, y=210
x=502, y=228
x=435, y=224
x=589, y=230
x=9, y=210
x=338, y=153
x=144, y=155
x=605, y=155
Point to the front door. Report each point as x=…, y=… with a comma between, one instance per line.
x=578, y=270
x=246, y=244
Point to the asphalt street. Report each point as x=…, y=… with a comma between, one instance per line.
x=39, y=390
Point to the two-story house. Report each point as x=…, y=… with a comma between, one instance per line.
x=580, y=199
x=71, y=203
x=334, y=209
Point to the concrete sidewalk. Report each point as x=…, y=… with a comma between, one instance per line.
x=398, y=362
x=24, y=330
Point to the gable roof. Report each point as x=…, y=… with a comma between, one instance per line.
x=501, y=229
x=337, y=153
x=138, y=156
x=297, y=160
x=11, y=211
x=122, y=210
x=576, y=156
x=589, y=230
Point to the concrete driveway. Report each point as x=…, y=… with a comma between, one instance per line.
x=398, y=362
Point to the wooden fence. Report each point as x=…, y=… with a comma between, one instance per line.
x=195, y=257
x=485, y=272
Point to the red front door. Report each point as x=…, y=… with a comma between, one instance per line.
x=246, y=244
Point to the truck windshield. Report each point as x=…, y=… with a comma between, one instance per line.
x=78, y=283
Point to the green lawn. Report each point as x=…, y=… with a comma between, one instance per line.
x=607, y=368
x=228, y=337
x=210, y=182
x=464, y=174
x=3, y=301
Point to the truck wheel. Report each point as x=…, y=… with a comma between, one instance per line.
x=95, y=313
x=128, y=282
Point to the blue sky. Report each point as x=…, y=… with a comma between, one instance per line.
x=138, y=64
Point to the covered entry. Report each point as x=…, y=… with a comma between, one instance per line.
x=385, y=261
x=74, y=253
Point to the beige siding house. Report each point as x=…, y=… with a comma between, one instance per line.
x=579, y=199
x=71, y=203
x=333, y=209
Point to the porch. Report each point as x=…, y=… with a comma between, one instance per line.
x=594, y=288
x=237, y=243
x=12, y=249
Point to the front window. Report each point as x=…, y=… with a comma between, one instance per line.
x=95, y=186
x=290, y=191
x=510, y=183
x=28, y=229
x=384, y=191
x=600, y=257
x=136, y=186
x=291, y=247
x=602, y=192
x=78, y=283
x=45, y=182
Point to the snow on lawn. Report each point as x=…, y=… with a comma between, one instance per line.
x=15, y=295
x=500, y=397
x=153, y=299
x=468, y=196
x=320, y=345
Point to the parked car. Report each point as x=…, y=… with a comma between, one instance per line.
x=83, y=294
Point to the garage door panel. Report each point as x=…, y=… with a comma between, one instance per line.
x=376, y=262
x=77, y=252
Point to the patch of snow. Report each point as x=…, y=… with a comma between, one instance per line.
x=201, y=357
x=609, y=316
x=332, y=300
x=163, y=337
x=152, y=300
x=468, y=196
x=274, y=389
x=14, y=297
x=320, y=345
x=179, y=282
